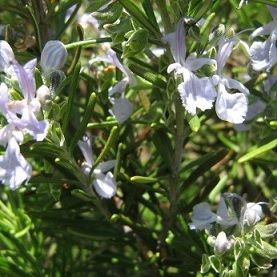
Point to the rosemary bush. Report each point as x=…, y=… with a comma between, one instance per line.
x=138, y=138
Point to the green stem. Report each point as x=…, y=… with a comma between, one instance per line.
x=72, y=93
x=83, y=125
x=175, y=177
x=78, y=51
x=87, y=43
x=69, y=21
x=39, y=12
x=165, y=16
x=36, y=26
x=107, y=147
x=267, y=2
x=135, y=11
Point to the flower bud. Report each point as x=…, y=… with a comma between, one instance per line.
x=221, y=244
x=230, y=33
x=217, y=32
x=44, y=96
x=53, y=57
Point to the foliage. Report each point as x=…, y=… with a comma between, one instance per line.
x=163, y=158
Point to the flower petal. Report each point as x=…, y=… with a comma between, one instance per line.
x=224, y=52
x=196, y=92
x=253, y=214
x=14, y=168
x=7, y=132
x=273, y=12
x=231, y=107
x=26, y=80
x=106, y=166
x=234, y=84
x=86, y=149
x=122, y=109
x=6, y=56
x=260, y=54
x=53, y=57
x=105, y=185
x=176, y=41
x=195, y=64
x=202, y=216
x=112, y=58
x=264, y=30
x=223, y=216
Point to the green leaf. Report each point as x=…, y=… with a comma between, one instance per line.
x=82, y=195
x=198, y=8
x=266, y=2
x=118, y=30
x=205, y=266
x=136, y=43
x=267, y=231
x=22, y=250
x=55, y=192
x=163, y=144
x=268, y=250
x=194, y=122
x=258, y=239
x=47, y=149
x=155, y=112
x=143, y=180
x=11, y=268
x=153, y=78
x=205, y=164
x=147, y=6
x=83, y=125
x=215, y=263
x=260, y=260
x=259, y=151
x=108, y=145
x=95, y=5
x=72, y=93
x=109, y=14
x=136, y=12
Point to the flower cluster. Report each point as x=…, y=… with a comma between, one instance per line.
x=20, y=105
x=121, y=106
x=104, y=183
x=232, y=210
x=264, y=54
x=233, y=233
x=201, y=92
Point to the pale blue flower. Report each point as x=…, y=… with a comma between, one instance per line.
x=30, y=105
x=225, y=217
x=21, y=114
x=202, y=216
x=254, y=109
x=264, y=54
x=253, y=213
x=195, y=92
x=14, y=168
x=122, y=107
x=231, y=107
x=103, y=180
